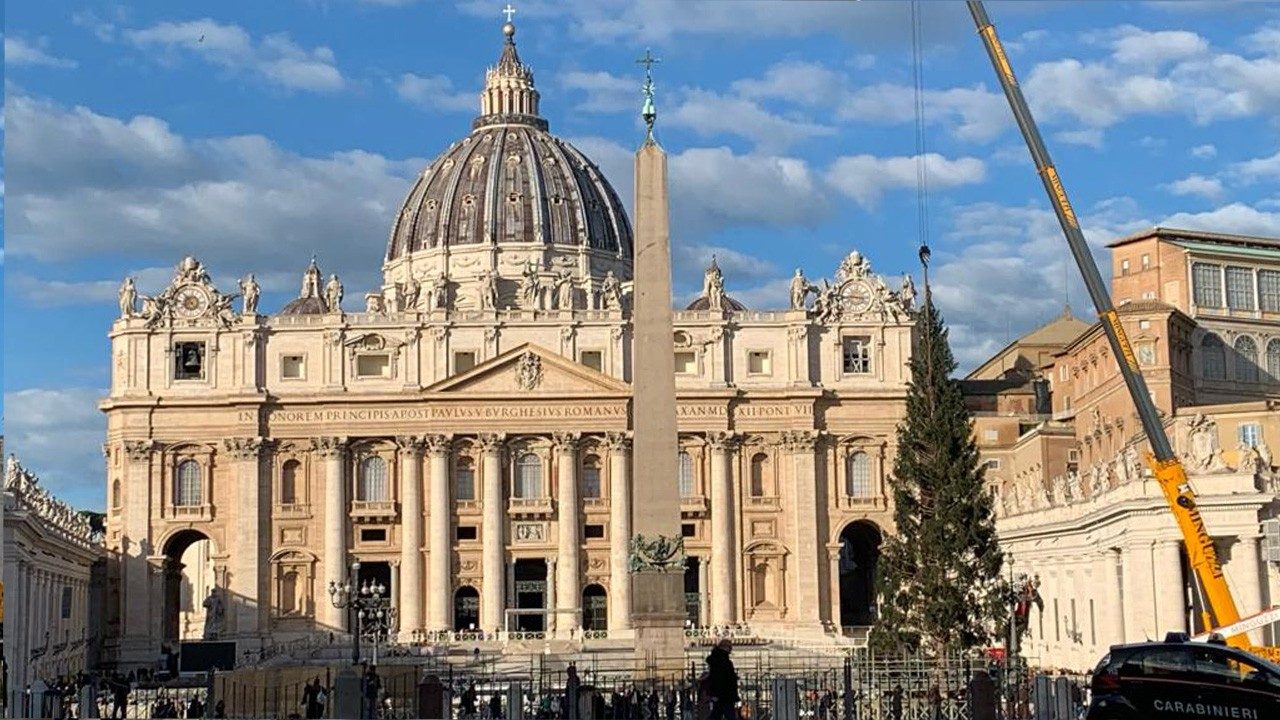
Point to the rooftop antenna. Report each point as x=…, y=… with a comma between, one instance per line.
x=648, y=111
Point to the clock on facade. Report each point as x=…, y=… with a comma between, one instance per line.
x=191, y=301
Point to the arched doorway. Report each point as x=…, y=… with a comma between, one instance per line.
x=595, y=608
x=859, y=555
x=188, y=581
x=466, y=608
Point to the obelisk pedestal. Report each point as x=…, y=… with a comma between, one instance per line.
x=657, y=548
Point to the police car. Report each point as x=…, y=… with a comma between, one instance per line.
x=1182, y=679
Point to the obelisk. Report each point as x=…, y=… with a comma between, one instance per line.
x=657, y=548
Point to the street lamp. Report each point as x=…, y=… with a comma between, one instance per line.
x=368, y=609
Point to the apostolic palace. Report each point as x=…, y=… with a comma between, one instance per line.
x=462, y=431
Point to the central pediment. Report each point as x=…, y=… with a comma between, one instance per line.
x=529, y=369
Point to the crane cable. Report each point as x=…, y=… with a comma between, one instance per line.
x=922, y=171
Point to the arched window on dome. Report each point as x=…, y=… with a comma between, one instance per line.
x=1273, y=359
x=372, y=486
x=686, y=475
x=289, y=482
x=1246, y=359
x=186, y=485
x=857, y=470
x=528, y=476
x=1213, y=360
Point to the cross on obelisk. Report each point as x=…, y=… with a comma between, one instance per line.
x=650, y=111
x=508, y=11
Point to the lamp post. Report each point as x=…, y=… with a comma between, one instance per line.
x=368, y=609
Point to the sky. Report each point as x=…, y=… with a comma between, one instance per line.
x=254, y=134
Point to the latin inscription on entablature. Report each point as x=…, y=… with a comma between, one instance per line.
x=444, y=413
x=702, y=411
x=754, y=412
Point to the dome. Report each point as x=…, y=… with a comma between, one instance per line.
x=305, y=306
x=703, y=303
x=510, y=181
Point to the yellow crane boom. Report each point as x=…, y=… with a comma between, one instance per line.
x=1164, y=462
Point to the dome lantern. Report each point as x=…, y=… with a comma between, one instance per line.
x=509, y=96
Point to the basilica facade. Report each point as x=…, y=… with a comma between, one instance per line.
x=464, y=436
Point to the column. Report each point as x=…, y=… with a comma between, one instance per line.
x=1170, y=594
x=552, y=599
x=568, y=587
x=247, y=536
x=833, y=585
x=723, y=562
x=807, y=528
x=704, y=597
x=332, y=451
x=493, y=502
x=620, y=531
x=1244, y=573
x=139, y=644
x=439, y=585
x=1115, y=599
x=410, y=585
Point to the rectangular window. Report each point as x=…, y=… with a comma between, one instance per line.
x=991, y=435
x=593, y=532
x=373, y=535
x=992, y=464
x=1146, y=261
x=464, y=481
x=1073, y=456
x=467, y=532
x=1240, y=288
x=1249, y=434
x=688, y=530
x=1144, y=324
x=368, y=366
x=188, y=358
x=590, y=482
x=1124, y=267
x=686, y=363
x=291, y=367
x=1149, y=295
x=759, y=363
x=463, y=361
x=1206, y=284
x=1269, y=290
x=66, y=602
x=857, y=355
x=593, y=359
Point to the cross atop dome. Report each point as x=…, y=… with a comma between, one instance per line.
x=508, y=11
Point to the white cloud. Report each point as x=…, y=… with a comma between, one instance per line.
x=1203, y=152
x=57, y=433
x=1094, y=93
x=605, y=92
x=1091, y=137
x=1263, y=168
x=710, y=114
x=866, y=177
x=1196, y=184
x=1135, y=46
x=275, y=58
x=972, y=114
x=1234, y=218
x=435, y=93
x=19, y=52
x=806, y=83
x=86, y=186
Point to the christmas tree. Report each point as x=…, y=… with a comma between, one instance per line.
x=939, y=582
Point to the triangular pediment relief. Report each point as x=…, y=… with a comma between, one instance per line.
x=533, y=370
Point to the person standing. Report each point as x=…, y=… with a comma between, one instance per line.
x=722, y=681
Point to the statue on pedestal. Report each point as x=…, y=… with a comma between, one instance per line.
x=128, y=298
x=713, y=286
x=333, y=294
x=251, y=291
x=214, y=615
x=611, y=292
x=488, y=291
x=800, y=289
x=529, y=288
x=564, y=290
x=439, y=291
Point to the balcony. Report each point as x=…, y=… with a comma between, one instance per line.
x=596, y=504
x=191, y=513
x=291, y=510
x=762, y=502
x=373, y=510
x=693, y=505
x=861, y=502
x=530, y=507
x=468, y=507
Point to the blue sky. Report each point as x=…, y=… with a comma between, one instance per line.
x=253, y=134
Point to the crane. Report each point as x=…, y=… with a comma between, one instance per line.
x=1164, y=463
